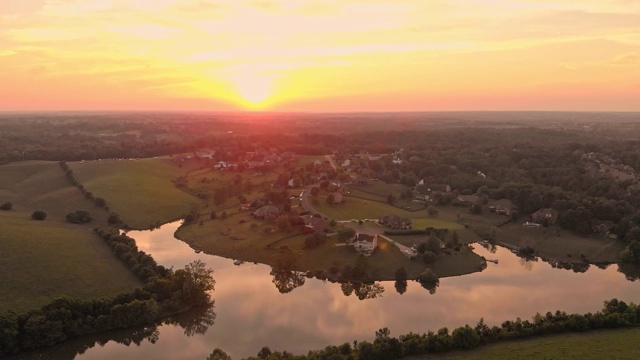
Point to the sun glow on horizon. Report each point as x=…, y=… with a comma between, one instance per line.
x=254, y=92
x=333, y=55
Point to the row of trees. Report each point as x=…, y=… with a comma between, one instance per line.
x=615, y=314
x=163, y=292
x=81, y=216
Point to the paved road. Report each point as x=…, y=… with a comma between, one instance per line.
x=331, y=162
x=304, y=200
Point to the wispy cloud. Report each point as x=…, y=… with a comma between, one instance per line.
x=409, y=46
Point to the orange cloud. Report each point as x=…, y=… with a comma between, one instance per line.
x=318, y=56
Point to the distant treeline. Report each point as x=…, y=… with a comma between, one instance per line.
x=164, y=292
x=615, y=314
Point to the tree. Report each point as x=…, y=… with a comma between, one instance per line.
x=39, y=215
x=454, y=240
x=401, y=274
x=346, y=233
x=361, y=268
x=213, y=215
x=476, y=209
x=401, y=280
x=113, y=219
x=331, y=199
x=6, y=206
x=218, y=354
x=465, y=338
x=401, y=286
x=433, y=244
x=200, y=282
x=264, y=353
x=391, y=199
x=100, y=202
x=433, y=212
x=383, y=334
x=79, y=217
x=429, y=280
x=429, y=257
x=285, y=279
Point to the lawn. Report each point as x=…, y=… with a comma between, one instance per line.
x=235, y=237
x=595, y=345
x=560, y=244
x=303, y=160
x=435, y=223
x=42, y=260
x=140, y=191
x=354, y=208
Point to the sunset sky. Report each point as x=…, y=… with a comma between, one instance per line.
x=319, y=56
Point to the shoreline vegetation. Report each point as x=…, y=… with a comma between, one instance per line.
x=165, y=292
x=433, y=344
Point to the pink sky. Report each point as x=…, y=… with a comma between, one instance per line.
x=297, y=55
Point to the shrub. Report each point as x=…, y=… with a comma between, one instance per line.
x=39, y=215
x=6, y=206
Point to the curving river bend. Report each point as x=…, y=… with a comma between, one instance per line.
x=250, y=312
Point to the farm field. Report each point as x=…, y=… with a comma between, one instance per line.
x=140, y=191
x=42, y=185
x=609, y=344
x=55, y=259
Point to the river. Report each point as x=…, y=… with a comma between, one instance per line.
x=250, y=312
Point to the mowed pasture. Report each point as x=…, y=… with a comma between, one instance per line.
x=42, y=260
x=140, y=191
x=595, y=345
x=40, y=185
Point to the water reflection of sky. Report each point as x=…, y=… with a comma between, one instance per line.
x=252, y=313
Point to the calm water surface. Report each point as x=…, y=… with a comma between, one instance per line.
x=251, y=312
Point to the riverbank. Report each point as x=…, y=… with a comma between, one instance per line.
x=239, y=236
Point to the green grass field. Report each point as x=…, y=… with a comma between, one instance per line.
x=551, y=243
x=43, y=186
x=140, y=191
x=42, y=260
x=596, y=345
x=354, y=208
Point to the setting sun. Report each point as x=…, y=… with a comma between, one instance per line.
x=285, y=55
x=254, y=92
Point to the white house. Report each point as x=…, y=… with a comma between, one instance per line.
x=365, y=244
x=346, y=163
